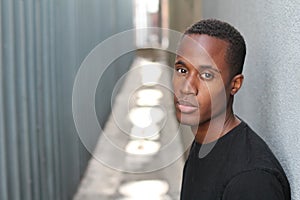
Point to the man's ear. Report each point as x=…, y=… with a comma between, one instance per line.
x=236, y=83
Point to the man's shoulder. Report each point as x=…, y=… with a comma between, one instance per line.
x=248, y=147
x=251, y=160
x=245, y=137
x=256, y=184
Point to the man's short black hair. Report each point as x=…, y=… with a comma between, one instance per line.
x=236, y=51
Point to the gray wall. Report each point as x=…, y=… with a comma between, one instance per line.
x=270, y=98
x=42, y=45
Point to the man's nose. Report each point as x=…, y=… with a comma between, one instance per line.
x=189, y=86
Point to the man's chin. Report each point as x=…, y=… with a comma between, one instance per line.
x=188, y=121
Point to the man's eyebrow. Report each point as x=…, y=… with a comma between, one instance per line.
x=209, y=67
x=180, y=62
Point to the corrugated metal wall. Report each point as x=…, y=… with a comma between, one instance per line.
x=43, y=43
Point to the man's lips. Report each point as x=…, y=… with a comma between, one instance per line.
x=186, y=106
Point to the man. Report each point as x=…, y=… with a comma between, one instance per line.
x=227, y=159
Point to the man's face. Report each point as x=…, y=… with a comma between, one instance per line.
x=201, y=79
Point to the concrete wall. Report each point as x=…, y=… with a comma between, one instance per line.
x=270, y=98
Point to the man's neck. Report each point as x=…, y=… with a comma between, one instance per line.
x=215, y=128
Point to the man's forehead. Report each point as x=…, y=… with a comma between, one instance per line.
x=194, y=47
x=193, y=56
x=196, y=60
x=189, y=42
x=202, y=42
x=202, y=49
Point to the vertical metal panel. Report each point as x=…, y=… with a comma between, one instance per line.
x=53, y=94
x=21, y=101
x=38, y=87
x=31, y=98
x=66, y=56
x=10, y=101
x=3, y=170
x=43, y=43
x=47, y=109
x=59, y=20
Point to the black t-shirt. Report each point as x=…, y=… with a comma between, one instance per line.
x=239, y=166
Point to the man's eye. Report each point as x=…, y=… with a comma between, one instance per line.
x=181, y=70
x=207, y=76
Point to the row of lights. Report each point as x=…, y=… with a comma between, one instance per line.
x=146, y=117
x=147, y=114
